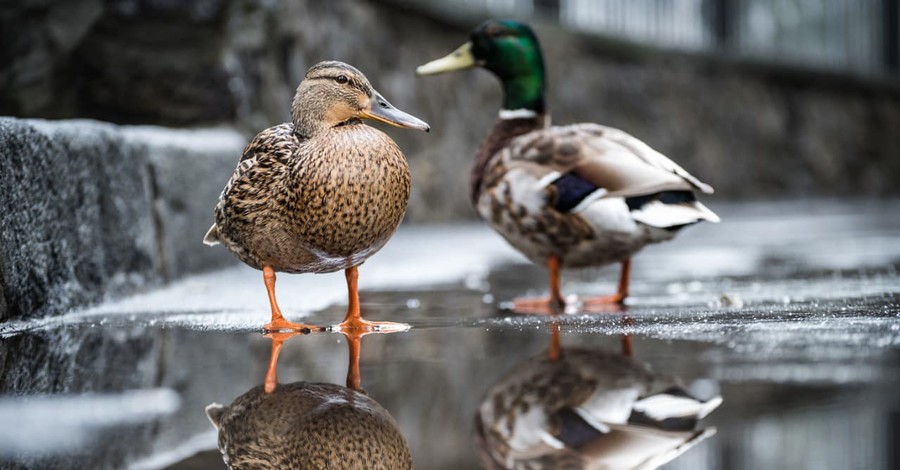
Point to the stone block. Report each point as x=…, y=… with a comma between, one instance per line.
x=187, y=170
x=76, y=215
x=93, y=210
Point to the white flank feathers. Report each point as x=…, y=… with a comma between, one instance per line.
x=664, y=406
x=661, y=215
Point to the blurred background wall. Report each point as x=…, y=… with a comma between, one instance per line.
x=763, y=99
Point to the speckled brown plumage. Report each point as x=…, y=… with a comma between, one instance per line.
x=308, y=426
x=517, y=189
x=589, y=409
x=321, y=193
x=314, y=205
x=485, y=170
x=511, y=192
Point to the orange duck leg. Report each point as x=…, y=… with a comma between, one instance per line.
x=279, y=323
x=615, y=299
x=354, y=319
x=554, y=303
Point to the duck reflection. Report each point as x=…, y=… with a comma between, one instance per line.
x=305, y=425
x=587, y=409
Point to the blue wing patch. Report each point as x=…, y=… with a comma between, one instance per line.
x=574, y=431
x=570, y=191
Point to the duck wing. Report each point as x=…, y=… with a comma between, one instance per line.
x=581, y=163
x=607, y=157
x=265, y=159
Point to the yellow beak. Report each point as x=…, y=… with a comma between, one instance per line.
x=459, y=59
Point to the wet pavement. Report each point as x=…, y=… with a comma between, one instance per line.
x=789, y=313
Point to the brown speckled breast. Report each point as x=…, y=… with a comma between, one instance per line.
x=316, y=205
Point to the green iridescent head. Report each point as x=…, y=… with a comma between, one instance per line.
x=511, y=51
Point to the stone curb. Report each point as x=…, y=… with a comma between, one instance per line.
x=92, y=210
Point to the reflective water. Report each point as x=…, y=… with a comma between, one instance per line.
x=783, y=326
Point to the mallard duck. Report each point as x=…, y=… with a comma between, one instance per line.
x=566, y=196
x=587, y=409
x=308, y=425
x=321, y=193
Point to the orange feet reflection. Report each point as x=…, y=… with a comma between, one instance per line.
x=555, y=351
x=627, y=349
x=354, y=335
x=354, y=340
x=278, y=340
x=358, y=324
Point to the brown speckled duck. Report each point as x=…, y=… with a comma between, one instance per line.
x=321, y=193
x=566, y=196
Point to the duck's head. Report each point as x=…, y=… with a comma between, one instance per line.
x=335, y=94
x=511, y=51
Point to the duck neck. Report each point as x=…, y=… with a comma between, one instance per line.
x=309, y=112
x=307, y=124
x=525, y=92
x=524, y=109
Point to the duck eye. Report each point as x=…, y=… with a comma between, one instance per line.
x=342, y=79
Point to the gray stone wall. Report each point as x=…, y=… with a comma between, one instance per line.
x=92, y=209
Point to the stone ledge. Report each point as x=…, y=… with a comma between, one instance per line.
x=94, y=210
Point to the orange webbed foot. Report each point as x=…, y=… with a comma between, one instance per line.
x=281, y=325
x=353, y=321
x=538, y=306
x=614, y=303
x=361, y=324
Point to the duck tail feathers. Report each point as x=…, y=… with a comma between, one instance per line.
x=212, y=236
x=673, y=216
